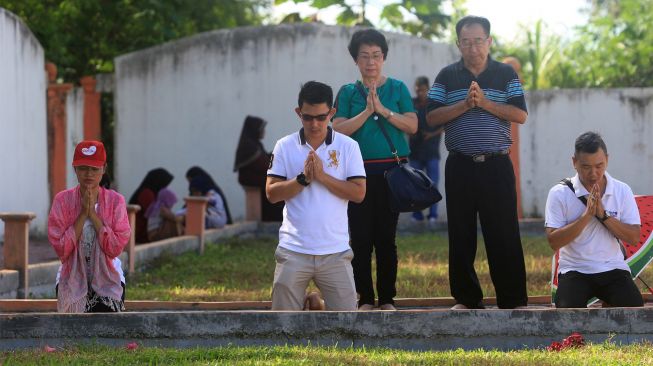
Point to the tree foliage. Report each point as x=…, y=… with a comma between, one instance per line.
x=614, y=49
x=83, y=36
x=537, y=51
x=423, y=18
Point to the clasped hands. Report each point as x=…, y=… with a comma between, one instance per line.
x=89, y=199
x=313, y=168
x=475, y=97
x=594, y=205
x=374, y=104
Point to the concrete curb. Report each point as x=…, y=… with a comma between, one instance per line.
x=416, y=330
x=8, y=284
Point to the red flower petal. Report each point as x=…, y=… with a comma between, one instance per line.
x=49, y=349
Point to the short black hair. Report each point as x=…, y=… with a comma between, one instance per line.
x=422, y=81
x=369, y=37
x=314, y=92
x=589, y=142
x=471, y=19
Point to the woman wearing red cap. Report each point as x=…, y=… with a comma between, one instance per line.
x=88, y=228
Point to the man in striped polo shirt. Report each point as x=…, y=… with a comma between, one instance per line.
x=476, y=99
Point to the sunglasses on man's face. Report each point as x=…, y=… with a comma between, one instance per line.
x=319, y=117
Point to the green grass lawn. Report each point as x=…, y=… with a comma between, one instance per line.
x=242, y=269
x=602, y=354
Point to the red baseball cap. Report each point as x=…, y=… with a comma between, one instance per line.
x=90, y=153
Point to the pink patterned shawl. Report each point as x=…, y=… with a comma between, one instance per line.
x=115, y=234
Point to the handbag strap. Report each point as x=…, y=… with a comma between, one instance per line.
x=393, y=150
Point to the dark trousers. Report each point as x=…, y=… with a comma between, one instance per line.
x=373, y=226
x=486, y=189
x=615, y=287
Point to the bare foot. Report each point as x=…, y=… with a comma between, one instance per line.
x=388, y=307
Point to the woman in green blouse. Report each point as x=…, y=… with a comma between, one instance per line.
x=361, y=107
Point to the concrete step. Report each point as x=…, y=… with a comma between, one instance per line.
x=428, y=329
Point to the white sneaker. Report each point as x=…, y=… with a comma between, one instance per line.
x=366, y=307
x=459, y=307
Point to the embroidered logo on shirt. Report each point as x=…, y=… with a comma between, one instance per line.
x=333, y=159
x=271, y=160
x=88, y=151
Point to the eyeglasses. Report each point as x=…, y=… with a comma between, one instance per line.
x=469, y=43
x=319, y=117
x=365, y=58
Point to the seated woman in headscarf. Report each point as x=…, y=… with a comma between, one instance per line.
x=145, y=195
x=216, y=215
x=161, y=221
x=88, y=228
x=197, y=171
x=252, y=162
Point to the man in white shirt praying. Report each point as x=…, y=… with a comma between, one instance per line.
x=316, y=171
x=586, y=219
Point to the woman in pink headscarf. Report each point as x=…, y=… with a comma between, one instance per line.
x=161, y=221
x=88, y=228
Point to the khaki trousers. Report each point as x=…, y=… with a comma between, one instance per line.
x=332, y=274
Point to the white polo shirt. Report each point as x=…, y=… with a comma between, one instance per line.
x=596, y=249
x=315, y=220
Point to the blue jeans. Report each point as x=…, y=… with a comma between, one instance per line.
x=432, y=168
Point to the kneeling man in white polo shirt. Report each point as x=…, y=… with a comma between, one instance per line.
x=316, y=171
x=586, y=224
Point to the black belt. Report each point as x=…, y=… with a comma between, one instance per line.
x=480, y=158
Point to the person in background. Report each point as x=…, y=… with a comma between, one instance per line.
x=216, y=214
x=88, y=228
x=196, y=171
x=252, y=163
x=362, y=106
x=161, y=221
x=425, y=144
x=145, y=195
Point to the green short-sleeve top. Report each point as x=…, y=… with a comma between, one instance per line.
x=395, y=96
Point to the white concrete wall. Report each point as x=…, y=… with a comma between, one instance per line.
x=23, y=140
x=183, y=103
x=74, y=129
x=624, y=117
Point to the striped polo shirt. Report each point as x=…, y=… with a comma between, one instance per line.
x=477, y=131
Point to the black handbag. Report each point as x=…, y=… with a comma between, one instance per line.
x=410, y=189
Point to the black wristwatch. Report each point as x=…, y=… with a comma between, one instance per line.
x=605, y=216
x=301, y=179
